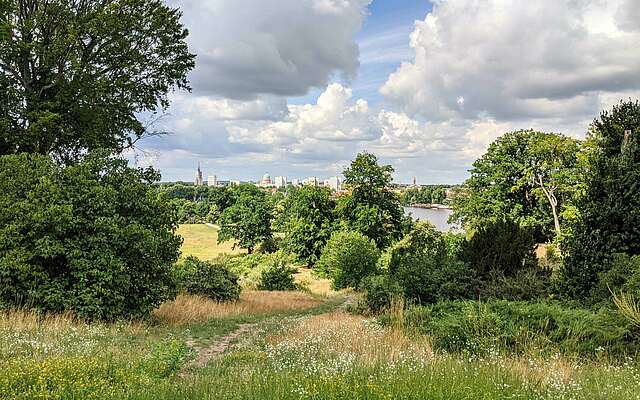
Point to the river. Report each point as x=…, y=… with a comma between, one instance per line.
x=438, y=217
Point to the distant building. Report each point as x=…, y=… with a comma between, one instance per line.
x=295, y=182
x=199, y=180
x=415, y=181
x=334, y=183
x=311, y=181
x=280, y=182
x=212, y=180
x=234, y=183
x=265, y=181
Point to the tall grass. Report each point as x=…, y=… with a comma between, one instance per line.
x=342, y=356
x=628, y=306
x=187, y=309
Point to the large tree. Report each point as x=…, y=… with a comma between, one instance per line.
x=526, y=176
x=609, y=220
x=307, y=218
x=372, y=208
x=93, y=238
x=75, y=75
x=248, y=220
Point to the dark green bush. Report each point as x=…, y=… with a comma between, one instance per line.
x=278, y=277
x=379, y=290
x=624, y=276
x=527, y=284
x=94, y=238
x=501, y=247
x=480, y=328
x=208, y=278
x=421, y=265
x=347, y=258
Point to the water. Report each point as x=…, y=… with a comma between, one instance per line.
x=438, y=217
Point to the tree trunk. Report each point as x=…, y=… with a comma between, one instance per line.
x=553, y=201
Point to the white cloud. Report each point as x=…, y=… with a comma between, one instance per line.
x=284, y=47
x=519, y=60
x=333, y=118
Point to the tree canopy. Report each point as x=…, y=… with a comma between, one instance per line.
x=610, y=205
x=372, y=208
x=248, y=219
x=75, y=75
x=526, y=176
x=307, y=219
x=93, y=238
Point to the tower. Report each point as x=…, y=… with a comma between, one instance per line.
x=199, y=181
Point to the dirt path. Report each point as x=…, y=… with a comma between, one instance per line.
x=215, y=349
x=220, y=345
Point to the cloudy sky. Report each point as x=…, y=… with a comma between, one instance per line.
x=299, y=87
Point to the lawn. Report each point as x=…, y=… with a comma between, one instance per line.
x=201, y=240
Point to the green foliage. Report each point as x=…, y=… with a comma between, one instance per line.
x=610, y=206
x=454, y=243
x=76, y=75
x=347, y=258
x=422, y=267
x=250, y=267
x=93, y=238
x=623, y=276
x=279, y=276
x=190, y=212
x=532, y=283
x=522, y=327
x=500, y=248
x=525, y=176
x=208, y=278
x=372, y=208
x=307, y=219
x=430, y=194
x=379, y=290
x=248, y=220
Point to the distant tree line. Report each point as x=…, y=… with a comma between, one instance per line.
x=428, y=194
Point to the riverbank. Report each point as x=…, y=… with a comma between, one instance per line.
x=429, y=206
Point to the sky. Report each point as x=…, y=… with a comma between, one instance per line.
x=299, y=87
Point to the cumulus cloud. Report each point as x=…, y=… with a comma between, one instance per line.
x=333, y=118
x=285, y=47
x=519, y=60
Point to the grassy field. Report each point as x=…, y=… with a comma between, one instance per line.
x=277, y=345
x=201, y=240
x=274, y=345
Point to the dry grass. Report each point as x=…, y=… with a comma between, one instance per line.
x=319, y=286
x=343, y=333
x=201, y=240
x=193, y=309
x=556, y=372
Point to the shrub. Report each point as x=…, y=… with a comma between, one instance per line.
x=250, y=267
x=94, y=238
x=347, y=258
x=424, y=270
x=623, y=276
x=278, y=277
x=379, y=290
x=480, y=328
x=527, y=284
x=454, y=243
x=208, y=278
x=501, y=247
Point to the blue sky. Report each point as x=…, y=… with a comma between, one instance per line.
x=299, y=87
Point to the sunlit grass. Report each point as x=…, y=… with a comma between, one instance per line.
x=201, y=241
x=195, y=309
